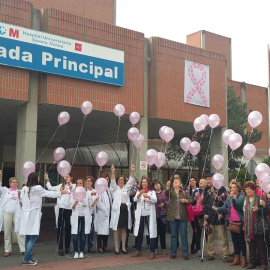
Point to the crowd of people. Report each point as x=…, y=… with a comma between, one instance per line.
x=145, y=208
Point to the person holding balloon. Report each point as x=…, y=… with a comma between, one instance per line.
x=31, y=198
x=145, y=216
x=177, y=215
x=63, y=211
x=89, y=183
x=121, y=213
x=234, y=206
x=81, y=218
x=102, y=210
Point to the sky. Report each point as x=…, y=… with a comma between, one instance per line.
x=247, y=23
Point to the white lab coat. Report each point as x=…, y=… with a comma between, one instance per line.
x=91, y=199
x=3, y=203
x=75, y=214
x=31, y=208
x=152, y=217
x=64, y=197
x=116, y=194
x=102, y=213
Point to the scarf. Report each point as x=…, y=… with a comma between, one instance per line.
x=13, y=189
x=250, y=217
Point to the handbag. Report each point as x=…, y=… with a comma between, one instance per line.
x=261, y=226
x=197, y=209
x=235, y=227
x=189, y=210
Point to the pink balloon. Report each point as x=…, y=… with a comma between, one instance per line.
x=254, y=119
x=63, y=118
x=249, y=151
x=134, y=118
x=161, y=160
x=218, y=180
x=27, y=168
x=199, y=124
x=59, y=153
x=161, y=132
x=235, y=141
x=185, y=143
x=86, y=107
x=265, y=185
x=168, y=134
x=79, y=193
x=205, y=118
x=133, y=134
x=119, y=110
x=101, y=158
x=63, y=168
x=226, y=135
x=101, y=185
x=214, y=120
x=218, y=161
x=139, y=142
x=262, y=171
x=151, y=156
x=194, y=148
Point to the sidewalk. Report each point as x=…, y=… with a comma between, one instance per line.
x=45, y=251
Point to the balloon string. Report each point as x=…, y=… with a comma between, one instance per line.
x=121, y=157
x=117, y=137
x=78, y=141
x=226, y=149
x=51, y=166
x=180, y=161
x=231, y=156
x=194, y=136
x=193, y=159
x=132, y=154
x=161, y=148
x=207, y=151
x=47, y=145
x=140, y=153
x=245, y=176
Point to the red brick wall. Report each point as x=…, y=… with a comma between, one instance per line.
x=166, y=81
x=99, y=10
x=13, y=81
x=256, y=98
x=72, y=92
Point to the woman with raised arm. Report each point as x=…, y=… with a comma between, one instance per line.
x=121, y=214
x=31, y=197
x=145, y=216
x=63, y=211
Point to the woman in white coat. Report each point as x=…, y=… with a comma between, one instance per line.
x=102, y=210
x=31, y=198
x=121, y=214
x=10, y=212
x=63, y=211
x=80, y=221
x=145, y=216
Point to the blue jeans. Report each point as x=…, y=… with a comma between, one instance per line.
x=175, y=227
x=30, y=240
x=80, y=235
x=91, y=235
x=143, y=221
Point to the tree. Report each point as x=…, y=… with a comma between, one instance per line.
x=237, y=121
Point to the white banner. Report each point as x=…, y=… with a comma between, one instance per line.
x=196, y=84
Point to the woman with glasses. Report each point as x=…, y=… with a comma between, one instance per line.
x=9, y=215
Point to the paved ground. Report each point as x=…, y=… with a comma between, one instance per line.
x=46, y=254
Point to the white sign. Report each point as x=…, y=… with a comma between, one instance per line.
x=196, y=84
x=143, y=165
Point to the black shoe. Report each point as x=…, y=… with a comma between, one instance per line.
x=117, y=253
x=91, y=251
x=193, y=251
x=134, y=246
x=124, y=251
x=186, y=258
x=250, y=266
x=106, y=249
x=67, y=251
x=172, y=257
x=61, y=252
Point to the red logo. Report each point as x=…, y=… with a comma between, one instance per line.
x=13, y=33
x=78, y=47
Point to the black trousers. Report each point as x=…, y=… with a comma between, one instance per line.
x=161, y=231
x=102, y=238
x=64, y=223
x=257, y=244
x=196, y=237
x=239, y=243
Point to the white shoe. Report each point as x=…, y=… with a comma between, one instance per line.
x=76, y=255
x=81, y=256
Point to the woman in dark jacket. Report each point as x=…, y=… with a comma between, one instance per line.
x=177, y=215
x=234, y=205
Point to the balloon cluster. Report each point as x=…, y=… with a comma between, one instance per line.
x=153, y=157
x=201, y=122
x=262, y=172
x=166, y=133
